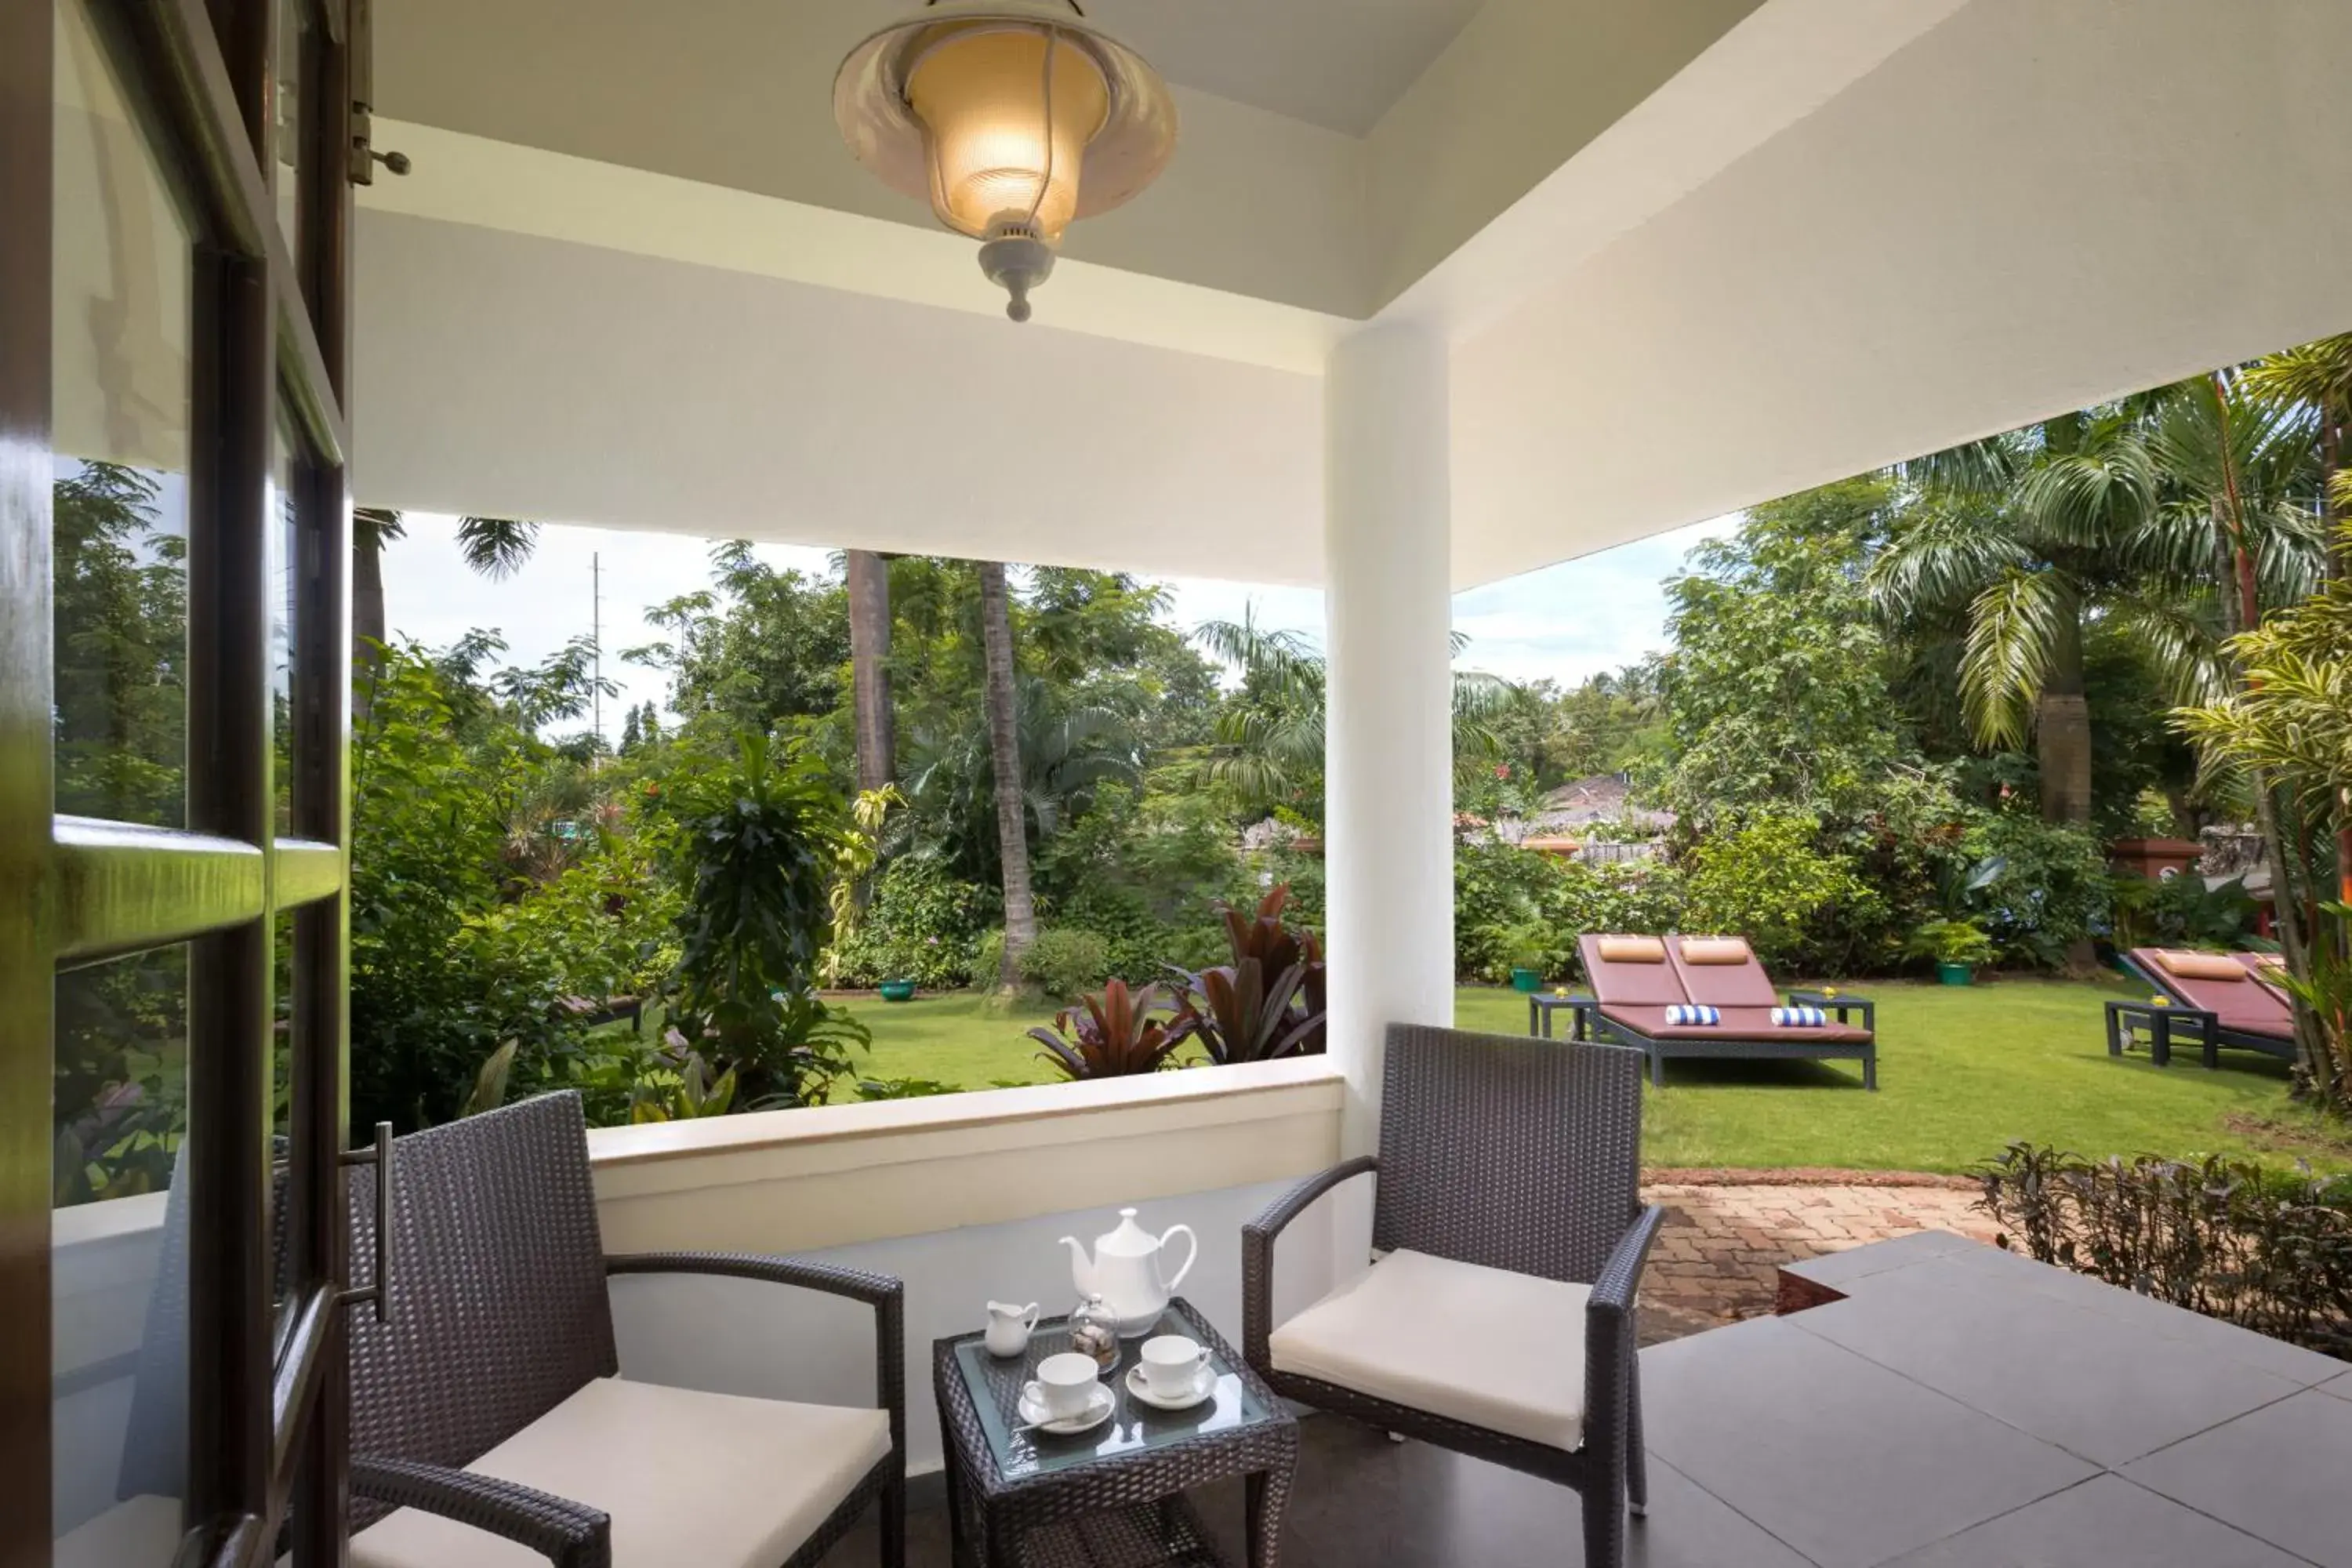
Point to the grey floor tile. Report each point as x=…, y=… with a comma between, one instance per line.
x=1362, y=1501
x=2283, y=1473
x=1848, y=1462
x=2104, y=1520
x=2279, y=1359
x=1839, y=1269
x=2109, y=1388
x=2341, y=1387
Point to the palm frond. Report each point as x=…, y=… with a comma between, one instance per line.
x=2317, y=373
x=1943, y=558
x=496, y=547
x=2013, y=630
x=2089, y=495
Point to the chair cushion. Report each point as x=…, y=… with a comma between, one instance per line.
x=1715, y=950
x=1633, y=950
x=1480, y=1345
x=712, y=1480
x=2202, y=965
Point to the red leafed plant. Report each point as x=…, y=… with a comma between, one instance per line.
x=1269, y=1001
x=1115, y=1034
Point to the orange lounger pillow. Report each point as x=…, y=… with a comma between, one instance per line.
x=1633, y=950
x=1715, y=950
x=2202, y=965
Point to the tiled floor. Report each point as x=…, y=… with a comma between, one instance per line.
x=1961, y=1408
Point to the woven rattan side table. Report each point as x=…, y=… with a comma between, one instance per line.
x=1114, y=1497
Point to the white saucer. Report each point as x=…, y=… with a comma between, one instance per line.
x=1099, y=1404
x=1203, y=1386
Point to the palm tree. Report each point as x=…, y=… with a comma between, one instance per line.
x=2017, y=544
x=1270, y=741
x=1004, y=758
x=496, y=547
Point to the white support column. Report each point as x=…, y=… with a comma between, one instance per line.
x=1388, y=768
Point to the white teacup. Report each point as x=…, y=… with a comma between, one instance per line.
x=1172, y=1365
x=1065, y=1385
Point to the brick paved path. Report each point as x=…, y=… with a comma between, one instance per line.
x=1714, y=1261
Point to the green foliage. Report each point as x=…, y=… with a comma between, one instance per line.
x=1064, y=961
x=119, y=606
x=921, y=925
x=119, y=1085
x=1143, y=870
x=442, y=975
x=1958, y=941
x=2178, y=911
x=1271, y=999
x=1777, y=693
x=757, y=838
x=1771, y=882
x=1113, y=1035
x=2221, y=1237
x=1506, y=899
x=2051, y=889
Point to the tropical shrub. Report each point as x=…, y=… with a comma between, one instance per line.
x=1770, y=880
x=757, y=836
x=1113, y=1035
x=2265, y=1250
x=1064, y=961
x=2177, y=911
x=1270, y=1000
x=921, y=925
x=2051, y=890
x=1951, y=941
x=441, y=977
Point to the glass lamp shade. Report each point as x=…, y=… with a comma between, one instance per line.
x=1004, y=131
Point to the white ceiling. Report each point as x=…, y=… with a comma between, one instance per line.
x=1339, y=64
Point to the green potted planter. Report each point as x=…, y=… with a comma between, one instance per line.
x=1957, y=946
x=1525, y=981
x=897, y=990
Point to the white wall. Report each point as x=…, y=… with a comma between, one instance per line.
x=2036, y=205
x=512, y=375
x=739, y=1336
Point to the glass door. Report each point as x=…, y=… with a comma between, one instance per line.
x=175, y=296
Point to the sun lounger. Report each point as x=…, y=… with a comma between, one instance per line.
x=2214, y=999
x=1637, y=978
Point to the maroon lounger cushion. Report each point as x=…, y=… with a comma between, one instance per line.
x=1738, y=1024
x=1635, y=985
x=2248, y=1006
x=1725, y=985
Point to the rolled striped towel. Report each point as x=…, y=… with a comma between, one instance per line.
x=1799, y=1017
x=1681, y=1014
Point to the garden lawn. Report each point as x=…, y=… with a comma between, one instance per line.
x=1961, y=1072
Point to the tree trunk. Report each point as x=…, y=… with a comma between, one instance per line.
x=1004, y=759
x=2062, y=728
x=869, y=663
x=367, y=617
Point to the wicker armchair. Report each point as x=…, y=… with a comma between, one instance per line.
x=1499, y=1323
x=488, y=1423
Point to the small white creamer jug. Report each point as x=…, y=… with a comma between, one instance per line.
x=1009, y=1328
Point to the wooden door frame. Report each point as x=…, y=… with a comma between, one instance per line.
x=272, y=341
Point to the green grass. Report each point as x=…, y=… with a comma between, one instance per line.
x=1961, y=1072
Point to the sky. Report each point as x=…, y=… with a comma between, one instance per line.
x=1564, y=622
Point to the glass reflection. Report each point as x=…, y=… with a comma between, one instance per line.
x=119, y=1259
x=120, y=330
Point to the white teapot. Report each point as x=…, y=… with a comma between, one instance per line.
x=1127, y=1270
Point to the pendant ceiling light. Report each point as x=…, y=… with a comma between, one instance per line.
x=1011, y=119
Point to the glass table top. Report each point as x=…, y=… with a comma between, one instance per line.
x=995, y=1387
